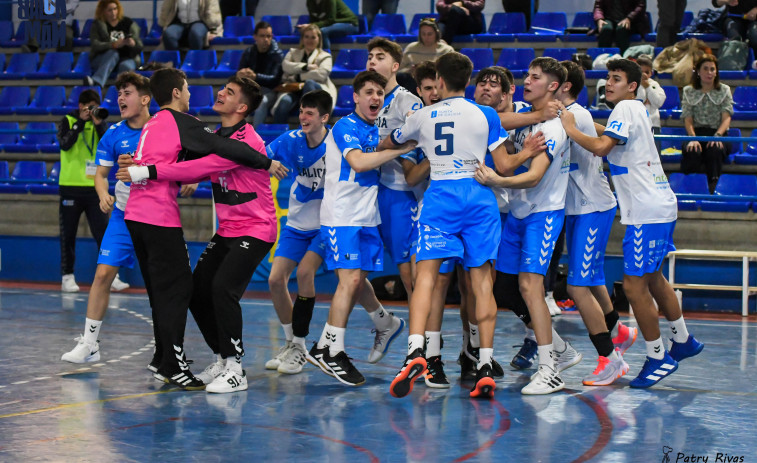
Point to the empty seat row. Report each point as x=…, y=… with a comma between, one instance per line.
x=733, y=193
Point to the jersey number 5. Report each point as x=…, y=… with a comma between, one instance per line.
x=446, y=138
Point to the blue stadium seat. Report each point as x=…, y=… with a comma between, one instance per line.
x=518, y=94
x=745, y=103
x=227, y=66
x=4, y=172
x=50, y=186
x=672, y=102
x=362, y=35
x=737, y=185
x=153, y=37
x=344, y=102
x=45, y=98
x=83, y=39
x=688, y=204
x=582, y=19
x=16, y=39
x=45, y=142
x=596, y=51
x=470, y=91
x=736, y=147
x=201, y=98
x=516, y=59
x=235, y=29
x=560, y=54
x=349, y=62
x=269, y=132
x=6, y=30
x=388, y=25
x=282, y=28
x=689, y=183
x=545, y=27
x=54, y=64
x=143, y=29
x=7, y=185
x=72, y=102
x=481, y=57
x=415, y=23
x=724, y=206
x=11, y=97
x=504, y=27
x=110, y=100
x=163, y=56
x=751, y=147
x=81, y=68
x=665, y=144
x=196, y=62
x=20, y=65
x=583, y=98
x=29, y=171
x=9, y=134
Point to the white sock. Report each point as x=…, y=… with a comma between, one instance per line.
x=234, y=364
x=485, y=356
x=614, y=332
x=549, y=295
x=324, y=341
x=220, y=359
x=655, y=349
x=287, y=331
x=433, y=343
x=530, y=334
x=466, y=340
x=381, y=318
x=475, y=341
x=678, y=327
x=299, y=341
x=337, y=334
x=558, y=342
x=92, y=330
x=545, y=355
x=414, y=341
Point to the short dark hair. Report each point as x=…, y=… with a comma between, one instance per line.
x=455, y=68
x=364, y=77
x=162, y=83
x=141, y=83
x=88, y=96
x=318, y=99
x=551, y=66
x=644, y=60
x=696, y=81
x=630, y=68
x=425, y=70
x=392, y=48
x=497, y=74
x=251, y=93
x=575, y=75
x=509, y=74
x=262, y=25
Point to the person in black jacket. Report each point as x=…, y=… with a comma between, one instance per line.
x=262, y=62
x=741, y=22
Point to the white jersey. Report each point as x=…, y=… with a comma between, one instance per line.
x=549, y=193
x=588, y=188
x=642, y=187
x=397, y=104
x=350, y=198
x=503, y=194
x=455, y=134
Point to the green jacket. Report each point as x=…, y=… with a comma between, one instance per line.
x=78, y=142
x=328, y=12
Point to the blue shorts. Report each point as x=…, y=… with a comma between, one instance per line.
x=645, y=247
x=459, y=219
x=586, y=237
x=117, y=249
x=399, y=214
x=353, y=247
x=527, y=244
x=293, y=243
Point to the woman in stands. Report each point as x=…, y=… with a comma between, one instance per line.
x=115, y=42
x=428, y=47
x=707, y=109
x=306, y=68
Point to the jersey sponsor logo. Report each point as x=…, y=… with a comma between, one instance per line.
x=349, y=138
x=312, y=173
x=615, y=125
x=551, y=145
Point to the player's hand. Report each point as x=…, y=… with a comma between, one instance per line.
x=188, y=190
x=550, y=111
x=106, y=203
x=716, y=144
x=535, y=143
x=567, y=118
x=125, y=160
x=123, y=174
x=407, y=146
x=694, y=146
x=278, y=170
x=485, y=175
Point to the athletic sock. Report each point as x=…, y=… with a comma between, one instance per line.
x=678, y=327
x=603, y=343
x=287, y=331
x=433, y=343
x=337, y=336
x=91, y=330
x=415, y=341
x=475, y=341
x=466, y=340
x=530, y=334
x=546, y=356
x=302, y=313
x=485, y=356
x=324, y=340
x=655, y=349
x=299, y=341
x=234, y=364
x=381, y=318
x=611, y=320
x=558, y=342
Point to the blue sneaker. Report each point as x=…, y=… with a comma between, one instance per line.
x=654, y=371
x=684, y=350
x=526, y=355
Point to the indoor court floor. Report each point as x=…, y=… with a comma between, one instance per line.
x=114, y=411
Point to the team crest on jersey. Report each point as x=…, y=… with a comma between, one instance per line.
x=615, y=125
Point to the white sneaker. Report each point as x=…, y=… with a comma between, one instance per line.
x=545, y=381
x=228, y=381
x=68, y=284
x=567, y=358
x=118, y=285
x=384, y=339
x=293, y=360
x=552, y=305
x=274, y=363
x=84, y=352
x=607, y=371
x=212, y=371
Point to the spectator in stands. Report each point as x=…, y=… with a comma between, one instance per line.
x=428, y=47
x=618, y=19
x=334, y=18
x=460, y=17
x=651, y=93
x=372, y=7
x=306, y=68
x=190, y=23
x=78, y=135
x=707, y=107
x=234, y=7
x=670, y=14
x=521, y=6
x=262, y=62
x=115, y=42
x=741, y=22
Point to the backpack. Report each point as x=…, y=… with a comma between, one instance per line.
x=707, y=21
x=733, y=55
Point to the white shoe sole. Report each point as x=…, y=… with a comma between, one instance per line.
x=576, y=360
x=290, y=371
x=225, y=389
x=542, y=391
x=89, y=359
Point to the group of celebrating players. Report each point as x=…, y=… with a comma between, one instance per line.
x=482, y=188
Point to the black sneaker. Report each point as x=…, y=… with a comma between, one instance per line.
x=485, y=385
x=413, y=368
x=315, y=356
x=467, y=367
x=342, y=368
x=185, y=380
x=435, y=377
x=497, y=370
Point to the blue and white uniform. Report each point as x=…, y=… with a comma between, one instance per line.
x=302, y=231
x=646, y=201
x=460, y=217
x=536, y=214
x=117, y=248
x=349, y=210
x=398, y=204
x=589, y=209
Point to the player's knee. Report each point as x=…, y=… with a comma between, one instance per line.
x=305, y=276
x=104, y=275
x=276, y=281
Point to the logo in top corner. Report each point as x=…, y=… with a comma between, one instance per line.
x=45, y=21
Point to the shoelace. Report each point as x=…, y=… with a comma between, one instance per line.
x=603, y=361
x=380, y=335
